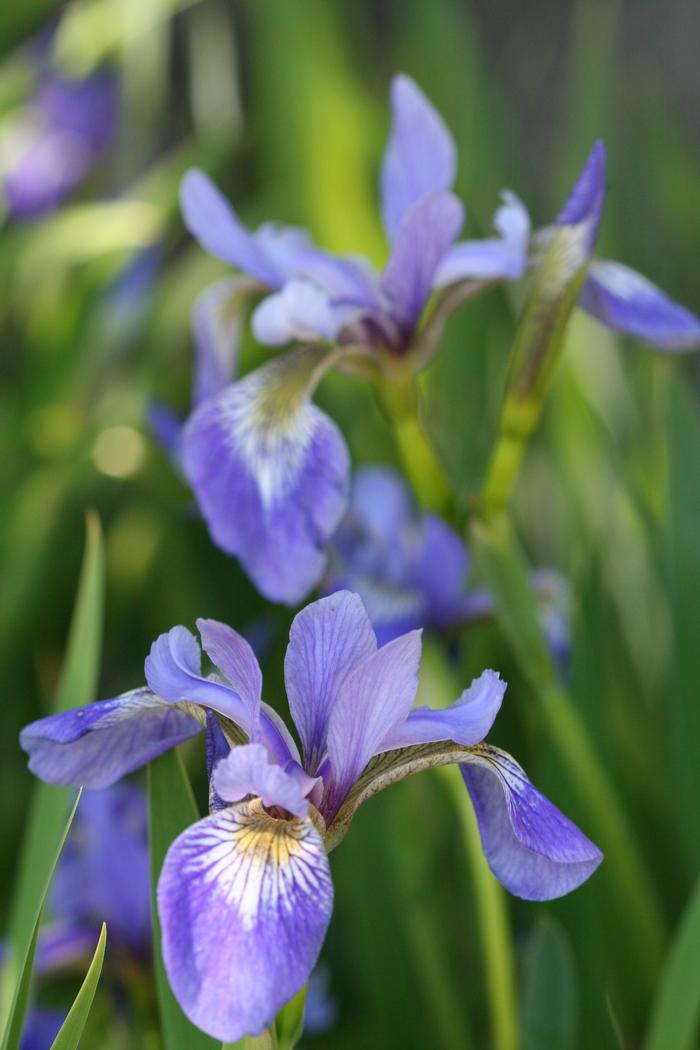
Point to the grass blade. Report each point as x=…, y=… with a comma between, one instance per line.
x=171, y=808
x=77, y=685
x=15, y=1016
x=72, y=1028
x=675, y=1014
x=549, y=996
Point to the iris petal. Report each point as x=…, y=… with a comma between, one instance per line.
x=270, y=473
x=327, y=640
x=244, y=903
x=247, y=770
x=420, y=156
x=630, y=304
x=466, y=721
x=98, y=744
x=531, y=847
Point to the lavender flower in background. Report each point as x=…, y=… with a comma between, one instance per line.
x=319, y=296
x=245, y=895
x=50, y=146
x=411, y=569
x=103, y=875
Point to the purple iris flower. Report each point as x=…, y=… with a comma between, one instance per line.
x=102, y=876
x=319, y=296
x=56, y=140
x=411, y=569
x=270, y=470
x=245, y=895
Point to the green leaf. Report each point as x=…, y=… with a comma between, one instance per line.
x=15, y=1015
x=675, y=1015
x=549, y=994
x=289, y=1023
x=72, y=1028
x=536, y=352
x=49, y=804
x=171, y=809
x=266, y=1041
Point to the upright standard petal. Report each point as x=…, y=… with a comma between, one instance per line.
x=98, y=744
x=216, y=330
x=631, y=305
x=174, y=671
x=585, y=202
x=247, y=770
x=493, y=258
x=532, y=848
x=234, y=657
x=466, y=721
x=426, y=233
x=270, y=473
x=328, y=639
x=420, y=156
x=212, y=221
x=244, y=901
x=374, y=699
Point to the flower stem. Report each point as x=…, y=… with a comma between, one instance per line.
x=503, y=569
x=494, y=926
x=401, y=400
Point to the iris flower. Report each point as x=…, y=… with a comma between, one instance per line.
x=269, y=470
x=102, y=876
x=245, y=895
x=50, y=146
x=411, y=569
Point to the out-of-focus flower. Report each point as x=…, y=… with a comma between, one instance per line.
x=53, y=142
x=102, y=876
x=411, y=569
x=319, y=296
x=245, y=895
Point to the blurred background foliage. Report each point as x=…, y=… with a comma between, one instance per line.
x=284, y=102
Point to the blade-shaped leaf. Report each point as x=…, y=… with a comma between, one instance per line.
x=15, y=1015
x=49, y=804
x=549, y=1000
x=171, y=809
x=675, y=1016
x=72, y=1028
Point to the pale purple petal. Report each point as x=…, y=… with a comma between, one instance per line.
x=349, y=279
x=420, y=156
x=212, y=221
x=216, y=330
x=174, y=672
x=466, y=721
x=102, y=742
x=630, y=304
x=422, y=241
x=532, y=848
x=103, y=872
x=284, y=246
x=270, y=473
x=244, y=903
x=234, y=657
x=327, y=640
x=492, y=258
x=247, y=770
x=301, y=311
x=374, y=699
x=439, y=571
x=585, y=202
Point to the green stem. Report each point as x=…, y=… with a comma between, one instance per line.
x=494, y=926
x=401, y=400
x=503, y=569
